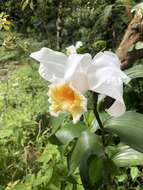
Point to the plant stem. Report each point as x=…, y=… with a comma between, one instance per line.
x=95, y=99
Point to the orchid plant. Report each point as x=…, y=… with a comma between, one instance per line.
x=70, y=77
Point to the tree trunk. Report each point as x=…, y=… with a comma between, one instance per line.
x=59, y=24
x=133, y=34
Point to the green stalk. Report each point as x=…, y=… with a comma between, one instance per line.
x=95, y=99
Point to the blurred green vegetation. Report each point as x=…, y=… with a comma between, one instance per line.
x=27, y=159
x=99, y=24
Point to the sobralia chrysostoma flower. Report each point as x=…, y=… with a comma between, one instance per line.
x=72, y=76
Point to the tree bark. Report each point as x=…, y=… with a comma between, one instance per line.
x=59, y=24
x=133, y=34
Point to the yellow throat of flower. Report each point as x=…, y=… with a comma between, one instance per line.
x=64, y=98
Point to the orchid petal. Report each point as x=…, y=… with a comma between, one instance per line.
x=76, y=71
x=117, y=108
x=80, y=82
x=52, y=63
x=105, y=59
x=114, y=90
x=105, y=77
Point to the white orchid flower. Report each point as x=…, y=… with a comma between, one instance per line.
x=71, y=76
x=73, y=49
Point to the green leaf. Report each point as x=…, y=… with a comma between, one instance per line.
x=56, y=122
x=129, y=127
x=122, y=178
x=131, y=48
x=69, y=132
x=52, y=187
x=95, y=170
x=100, y=170
x=24, y=4
x=135, y=72
x=134, y=173
x=88, y=117
x=126, y=157
x=50, y=152
x=18, y=186
x=139, y=45
x=87, y=145
x=5, y=133
x=44, y=179
x=69, y=186
x=6, y=27
x=31, y=5
x=84, y=169
x=1, y=188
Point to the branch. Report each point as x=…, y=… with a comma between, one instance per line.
x=132, y=35
x=131, y=57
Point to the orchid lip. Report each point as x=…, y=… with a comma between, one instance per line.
x=64, y=98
